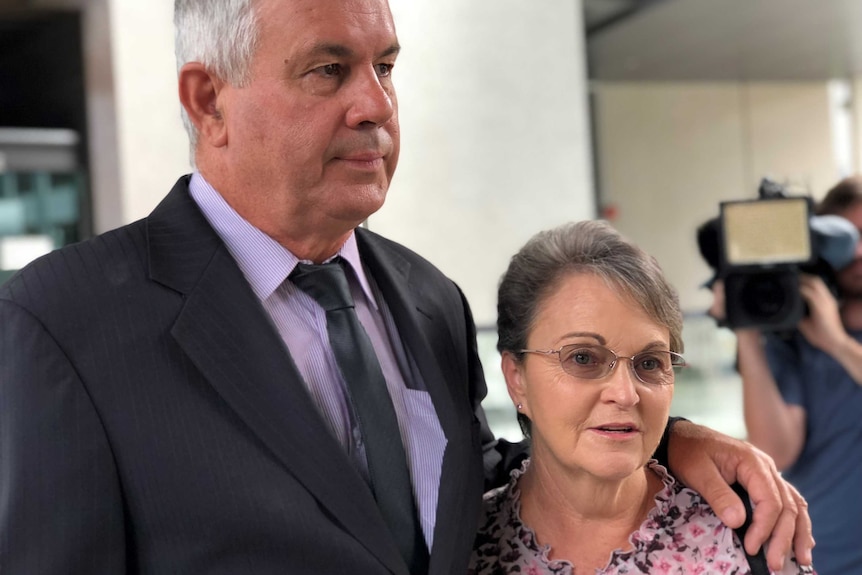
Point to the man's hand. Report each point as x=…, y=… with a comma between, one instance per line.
x=708, y=462
x=822, y=327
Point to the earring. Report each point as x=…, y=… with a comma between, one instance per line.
x=519, y=406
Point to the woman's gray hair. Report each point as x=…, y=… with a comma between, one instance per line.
x=587, y=247
x=220, y=34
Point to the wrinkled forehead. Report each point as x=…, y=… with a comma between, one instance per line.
x=295, y=29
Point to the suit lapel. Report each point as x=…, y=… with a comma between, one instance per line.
x=404, y=296
x=229, y=337
x=424, y=328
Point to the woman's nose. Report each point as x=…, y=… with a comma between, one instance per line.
x=621, y=386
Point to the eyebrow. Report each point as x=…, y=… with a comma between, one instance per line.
x=595, y=336
x=341, y=51
x=656, y=344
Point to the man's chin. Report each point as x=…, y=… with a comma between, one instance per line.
x=362, y=206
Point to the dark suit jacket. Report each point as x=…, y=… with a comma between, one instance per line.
x=152, y=421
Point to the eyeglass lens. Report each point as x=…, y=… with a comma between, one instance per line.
x=595, y=362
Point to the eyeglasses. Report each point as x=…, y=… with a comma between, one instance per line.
x=654, y=367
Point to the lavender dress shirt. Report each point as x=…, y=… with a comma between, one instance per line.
x=301, y=322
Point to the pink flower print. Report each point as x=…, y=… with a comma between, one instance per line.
x=723, y=566
x=696, y=531
x=678, y=557
x=534, y=570
x=711, y=551
x=664, y=566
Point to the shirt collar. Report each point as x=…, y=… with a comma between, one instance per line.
x=263, y=261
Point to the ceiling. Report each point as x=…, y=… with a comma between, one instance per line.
x=715, y=40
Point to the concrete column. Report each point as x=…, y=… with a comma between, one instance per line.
x=495, y=134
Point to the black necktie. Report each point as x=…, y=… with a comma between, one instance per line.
x=372, y=405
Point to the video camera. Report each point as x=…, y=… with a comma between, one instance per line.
x=759, y=247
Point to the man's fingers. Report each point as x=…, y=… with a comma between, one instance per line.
x=803, y=541
x=726, y=504
x=792, y=528
x=781, y=537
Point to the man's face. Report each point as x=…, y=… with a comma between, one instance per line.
x=315, y=131
x=850, y=277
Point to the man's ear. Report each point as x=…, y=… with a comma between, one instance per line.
x=513, y=372
x=199, y=94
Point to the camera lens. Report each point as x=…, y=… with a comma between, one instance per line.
x=767, y=299
x=764, y=297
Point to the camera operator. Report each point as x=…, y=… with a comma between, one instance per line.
x=802, y=397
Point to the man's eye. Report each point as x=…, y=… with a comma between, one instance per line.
x=330, y=70
x=384, y=70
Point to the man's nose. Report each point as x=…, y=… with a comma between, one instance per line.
x=373, y=101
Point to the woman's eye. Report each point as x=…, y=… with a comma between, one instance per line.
x=650, y=363
x=582, y=357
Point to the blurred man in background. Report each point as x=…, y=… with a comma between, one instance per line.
x=802, y=397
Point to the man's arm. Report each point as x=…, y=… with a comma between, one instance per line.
x=824, y=329
x=60, y=504
x=709, y=462
x=499, y=456
x=773, y=425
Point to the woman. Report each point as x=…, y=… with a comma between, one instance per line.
x=590, y=334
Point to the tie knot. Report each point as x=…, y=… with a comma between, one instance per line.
x=326, y=283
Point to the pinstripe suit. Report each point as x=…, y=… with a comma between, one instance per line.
x=151, y=420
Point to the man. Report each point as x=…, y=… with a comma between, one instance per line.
x=170, y=400
x=802, y=397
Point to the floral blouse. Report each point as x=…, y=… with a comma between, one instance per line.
x=681, y=535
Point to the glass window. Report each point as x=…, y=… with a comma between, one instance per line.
x=39, y=211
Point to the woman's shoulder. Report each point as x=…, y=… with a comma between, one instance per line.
x=504, y=544
x=683, y=529
x=499, y=518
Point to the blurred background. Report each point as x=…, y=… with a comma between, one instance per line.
x=516, y=116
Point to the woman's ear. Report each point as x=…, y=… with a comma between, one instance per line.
x=199, y=93
x=513, y=372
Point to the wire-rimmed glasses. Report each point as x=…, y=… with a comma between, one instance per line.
x=585, y=361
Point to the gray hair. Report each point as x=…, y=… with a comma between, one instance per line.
x=578, y=248
x=220, y=34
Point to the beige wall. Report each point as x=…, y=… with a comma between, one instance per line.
x=495, y=142
x=671, y=152
x=152, y=144
x=856, y=122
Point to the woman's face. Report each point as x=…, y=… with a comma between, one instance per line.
x=608, y=427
